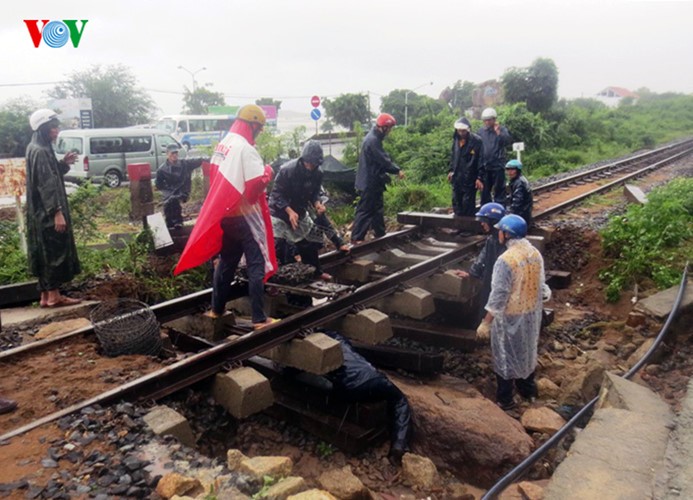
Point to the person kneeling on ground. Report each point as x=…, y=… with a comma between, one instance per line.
x=357, y=381
x=514, y=310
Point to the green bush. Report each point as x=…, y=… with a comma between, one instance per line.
x=651, y=241
x=13, y=263
x=404, y=196
x=84, y=210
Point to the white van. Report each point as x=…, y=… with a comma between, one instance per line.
x=104, y=153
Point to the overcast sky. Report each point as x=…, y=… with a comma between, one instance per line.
x=292, y=49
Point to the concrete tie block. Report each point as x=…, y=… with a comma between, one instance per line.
x=538, y=242
x=164, y=421
x=357, y=270
x=396, y=257
x=558, y=280
x=634, y=194
x=203, y=326
x=448, y=285
x=285, y=488
x=369, y=326
x=243, y=391
x=317, y=353
x=258, y=467
x=421, y=248
x=414, y=303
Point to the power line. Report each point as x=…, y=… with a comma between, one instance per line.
x=30, y=84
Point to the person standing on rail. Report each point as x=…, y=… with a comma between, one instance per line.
x=466, y=172
x=514, y=312
x=521, y=200
x=372, y=177
x=52, y=251
x=482, y=267
x=234, y=221
x=496, y=139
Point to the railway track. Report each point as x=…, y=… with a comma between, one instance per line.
x=415, y=252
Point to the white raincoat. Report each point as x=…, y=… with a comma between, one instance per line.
x=517, y=287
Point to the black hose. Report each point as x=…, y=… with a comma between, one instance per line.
x=523, y=466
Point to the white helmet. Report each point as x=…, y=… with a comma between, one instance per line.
x=40, y=117
x=488, y=113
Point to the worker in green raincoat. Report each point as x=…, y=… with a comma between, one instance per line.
x=51, y=242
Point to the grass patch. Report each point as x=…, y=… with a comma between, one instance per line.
x=651, y=242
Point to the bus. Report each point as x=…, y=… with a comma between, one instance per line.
x=196, y=130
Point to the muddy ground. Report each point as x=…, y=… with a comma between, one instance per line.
x=584, y=322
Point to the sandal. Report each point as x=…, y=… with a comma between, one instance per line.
x=267, y=322
x=64, y=301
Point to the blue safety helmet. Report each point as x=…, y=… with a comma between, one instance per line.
x=491, y=212
x=513, y=225
x=514, y=164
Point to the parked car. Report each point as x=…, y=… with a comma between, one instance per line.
x=104, y=153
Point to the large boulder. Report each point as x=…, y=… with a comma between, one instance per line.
x=459, y=429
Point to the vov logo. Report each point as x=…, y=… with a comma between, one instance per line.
x=55, y=34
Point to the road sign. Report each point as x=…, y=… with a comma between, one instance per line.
x=315, y=101
x=518, y=146
x=315, y=114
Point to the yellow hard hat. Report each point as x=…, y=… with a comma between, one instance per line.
x=252, y=113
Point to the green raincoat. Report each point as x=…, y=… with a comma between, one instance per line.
x=52, y=255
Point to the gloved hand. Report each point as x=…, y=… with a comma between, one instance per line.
x=483, y=332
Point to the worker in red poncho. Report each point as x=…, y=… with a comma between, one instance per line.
x=234, y=221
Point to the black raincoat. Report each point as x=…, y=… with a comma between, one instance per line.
x=358, y=381
x=174, y=179
x=52, y=255
x=482, y=268
x=521, y=199
x=295, y=187
x=466, y=168
x=375, y=164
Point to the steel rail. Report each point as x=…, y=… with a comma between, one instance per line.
x=610, y=185
x=202, y=365
x=194, y=302
x=617, y=165
x=523, y=466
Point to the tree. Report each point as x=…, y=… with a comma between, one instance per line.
x=116, y=99
x=199, y=100
x=348, y=109
x=15, y=132
x=536, y=85
x=416, y=105
x=268, y=101
x=459, y=96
